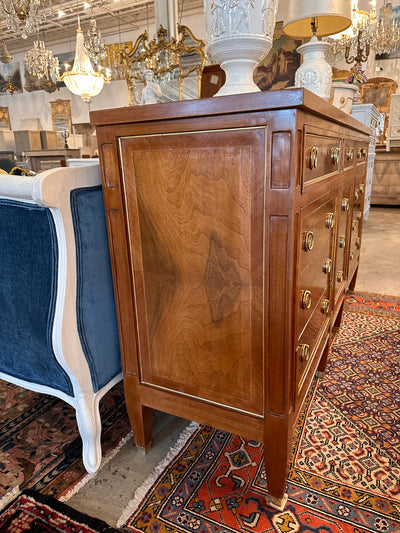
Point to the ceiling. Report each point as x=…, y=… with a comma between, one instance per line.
x=112, y=16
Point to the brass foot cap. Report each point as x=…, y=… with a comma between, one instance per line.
x=143, y=450
x=276, y=503
x=319, y=374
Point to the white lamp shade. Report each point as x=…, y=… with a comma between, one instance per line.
x=333, y=16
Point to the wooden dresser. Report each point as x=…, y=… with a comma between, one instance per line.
x=235, y=228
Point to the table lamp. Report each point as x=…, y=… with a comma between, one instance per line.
x=315, y=18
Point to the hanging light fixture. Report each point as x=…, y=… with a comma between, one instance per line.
x=23, y=16
x=94, y=46
x=40, y=62
x=10, y=87
x=367, y=32
x=82, y=79
x=5, y=57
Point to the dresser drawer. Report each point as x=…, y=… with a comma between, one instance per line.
x=322, y=156
x=310, y=338
x=317, y=223
x=361, y=154
x=349, y=152
x=313, y=282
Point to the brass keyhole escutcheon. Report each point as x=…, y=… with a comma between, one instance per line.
x=325, y=306
x=308, y=241
x=327, y=265
x=330, y=220
x=356, y=194
x=340, y=276
x=345, y=204
x=351, y=254
x=304, y=352
x=342, y=241
x=313, y=157
x=306, y=299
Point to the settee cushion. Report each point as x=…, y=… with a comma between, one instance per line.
x=97, y=321
x=28, y=287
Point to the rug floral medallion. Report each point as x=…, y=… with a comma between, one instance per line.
x=344, y=474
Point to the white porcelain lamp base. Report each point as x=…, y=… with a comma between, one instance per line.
x=314, y=74
x=238, y=57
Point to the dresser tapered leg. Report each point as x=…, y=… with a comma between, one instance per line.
x=276, y=459
x=140, y=416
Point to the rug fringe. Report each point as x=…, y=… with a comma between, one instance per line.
x=7, y=498
x=146, y=486
x=76, y=488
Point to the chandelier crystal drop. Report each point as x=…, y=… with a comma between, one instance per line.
x=24, y=16
x=82, y=80
x=5, y=57
x=40, y=62
x=94, y=46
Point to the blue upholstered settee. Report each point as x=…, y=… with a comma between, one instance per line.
x=58, y=326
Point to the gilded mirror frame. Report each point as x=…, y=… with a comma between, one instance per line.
x=4, y=118
x=61, y=115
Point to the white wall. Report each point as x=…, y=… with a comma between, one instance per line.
x=37, y=103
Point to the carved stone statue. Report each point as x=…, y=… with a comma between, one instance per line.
x=151, y=91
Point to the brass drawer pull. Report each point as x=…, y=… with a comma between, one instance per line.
x=330, y=220
x=359, y=215
x=340, y=276
x=358, y=242
x=342, y=241
x=361, y=187
x=327, y=265
x=304, y=352
x=325, y=306
x=354, y=225
x=345, y=204
x=351, y=254
x=313, y=157
x=335, y=156
x=356, y=194
x=308, y=241
x=306, y=299
x=350, y=154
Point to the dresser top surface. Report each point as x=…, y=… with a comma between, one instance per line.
x=301, y=99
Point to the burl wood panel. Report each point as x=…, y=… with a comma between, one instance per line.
x=195, y=206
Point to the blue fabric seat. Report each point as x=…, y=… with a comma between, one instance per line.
x=58, y=325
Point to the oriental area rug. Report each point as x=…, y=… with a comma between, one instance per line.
x=40, y=446
x=31, y=512
x=344, y=475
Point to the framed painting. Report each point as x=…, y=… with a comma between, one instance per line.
x=278, y=69
x=10, y=73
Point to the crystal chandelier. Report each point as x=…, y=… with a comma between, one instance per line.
x=23, y=15
x=5, y=57
x=385, y=36
x=94, y=46
x=367, y=32
x=40, y=62
x=82, y=79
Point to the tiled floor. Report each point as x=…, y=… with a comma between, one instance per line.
x=108, y=493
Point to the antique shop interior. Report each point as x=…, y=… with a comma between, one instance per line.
x=200, y=240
